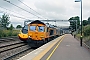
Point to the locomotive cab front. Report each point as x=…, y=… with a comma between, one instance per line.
x=36, y=32
x=23, y=35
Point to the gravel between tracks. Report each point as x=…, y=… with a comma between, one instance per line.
x=12, y=52
x=8, y=43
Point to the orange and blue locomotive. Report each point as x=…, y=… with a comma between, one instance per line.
x=38, y=31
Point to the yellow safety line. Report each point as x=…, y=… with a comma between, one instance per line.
x=46, y=50
x=54, y=49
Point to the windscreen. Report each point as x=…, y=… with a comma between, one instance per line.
x=32, y=28
x=25, y=29
x=41, y=28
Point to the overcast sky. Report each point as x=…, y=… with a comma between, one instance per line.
x=47, y=9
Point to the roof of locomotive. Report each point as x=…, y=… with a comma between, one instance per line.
x=37, y=22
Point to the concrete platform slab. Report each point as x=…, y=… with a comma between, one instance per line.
x=68, y=49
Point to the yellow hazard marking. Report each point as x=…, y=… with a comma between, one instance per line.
x=54, y=49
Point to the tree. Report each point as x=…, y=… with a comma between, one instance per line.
x=19, y=26
x=5, y=20
x=11, y=27
x=0, y=21
x=88, y=20
x=73, y=22
x=85, y=22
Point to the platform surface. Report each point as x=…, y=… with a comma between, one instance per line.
x=68, y=49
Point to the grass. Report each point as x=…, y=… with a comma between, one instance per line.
x=78, y=35
x=86, y=39
x=7, y=33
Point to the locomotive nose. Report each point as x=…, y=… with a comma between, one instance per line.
x=23, y=36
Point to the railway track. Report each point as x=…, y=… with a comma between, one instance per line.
x=9, y=51
x=8, y=39
x=10, y=47
x=13, y=49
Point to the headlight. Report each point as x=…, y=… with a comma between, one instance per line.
x=42, y=36
x=29, y=36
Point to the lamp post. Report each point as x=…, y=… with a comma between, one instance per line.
x=81, y=22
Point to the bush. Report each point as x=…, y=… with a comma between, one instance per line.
x=87, y=30
x=1, y=33
x=6, y=33
x=78, y=35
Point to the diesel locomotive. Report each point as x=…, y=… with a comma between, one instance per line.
x=38, y=32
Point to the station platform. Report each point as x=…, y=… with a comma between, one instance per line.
x=65, y=47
